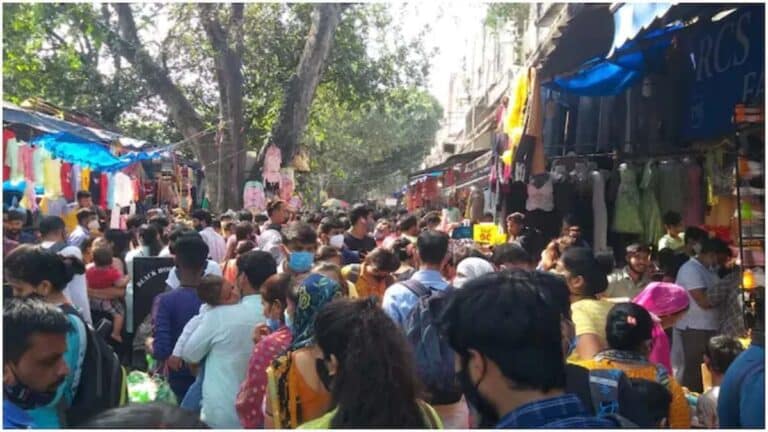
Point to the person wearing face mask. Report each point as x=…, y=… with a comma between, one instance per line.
x=86, y=224
x=509, y=360
x=358, y=238
x=34, y=345
x=409, y=227
x=331, y=233
x=693, y=237
x=626, y=283
x=299, y=249
x=23, y=272
x=700, y=324
x=202, y=222
x=376, y=273
x=274, y=337
x=351, y=333
x=628, y=328
x=295, y=391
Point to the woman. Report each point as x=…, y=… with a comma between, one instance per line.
x=274, y=339
x=667, y=303
x=585, y=279
x=30, y=271
x=629, y=330
x=229, y=271
x=295, y=393
x=360, y=348
x=333, y=271
x=404, y=249
x=470, y=268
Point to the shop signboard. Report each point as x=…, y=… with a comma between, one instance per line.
x=149, y=275
x=728, y=57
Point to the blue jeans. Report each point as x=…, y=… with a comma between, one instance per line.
x=193, y=399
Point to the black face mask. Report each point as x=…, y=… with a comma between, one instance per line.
x=488, y=417
x=322, y=373
x=24, y=397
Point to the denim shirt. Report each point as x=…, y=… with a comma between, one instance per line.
x=564, y=411
x=399, y=300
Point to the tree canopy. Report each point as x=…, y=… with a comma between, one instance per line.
x=132, y=65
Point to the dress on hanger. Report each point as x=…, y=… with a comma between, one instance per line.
x=627, y=211
x=600, y=212
x=653, y=227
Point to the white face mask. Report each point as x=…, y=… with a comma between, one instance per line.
x=337, y=241
x=93, y=225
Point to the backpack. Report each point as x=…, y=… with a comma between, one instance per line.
x=434, y=357
x=58, y=247
x=604, y=387
x=103, y=380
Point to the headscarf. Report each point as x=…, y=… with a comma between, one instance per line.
x=471, y=268
x=315, y=292
x=662, y=299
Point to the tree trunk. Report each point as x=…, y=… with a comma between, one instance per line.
x=128, y=45
x=300, y=90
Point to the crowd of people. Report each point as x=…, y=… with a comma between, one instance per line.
x=363, y=318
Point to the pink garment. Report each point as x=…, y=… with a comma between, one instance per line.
x=286, y=184
x=662, y=299
x=253, y=196
x=272, y=161
x=26, y=157
x=693, y=213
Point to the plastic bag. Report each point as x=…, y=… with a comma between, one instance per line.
x=145, y=388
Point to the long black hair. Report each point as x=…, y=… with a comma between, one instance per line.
x=375, y=385
x=150, y=238
x=34, y=265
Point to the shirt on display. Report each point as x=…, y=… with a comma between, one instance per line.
x=65, y=178
x=52, y=180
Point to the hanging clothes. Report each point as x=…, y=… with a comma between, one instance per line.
x=540, y=197
x=114, y=218
x=65, y=177
x=39, y=158
x=26, y=156
x=535, y=124
x=52, y=178
x=123, y=190
x=693, y=213
x=85, y=179
x=103, y=191
x=653, y=227
x=29, y=200
x=75, y=174
x=12, y=159
x=626, y=218
x=111, y=190
x=7, y=136
x=95, y=187
x=253, y=196
x=287, y=184
x=671, y=188
x=599, y=212
x=272, y=161
x=521, y=170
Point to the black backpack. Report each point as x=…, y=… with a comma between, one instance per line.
x=434, y=357
x=103, y=382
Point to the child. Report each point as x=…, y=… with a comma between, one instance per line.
x=657, y=399
x=213, y=291
x=102, y=275
x=719, y=353
x=674, y=238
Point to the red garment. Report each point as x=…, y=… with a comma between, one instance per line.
x=102, y=277
x=65, y=175
x=7, y=135
x=253, y=389
x=104, y=190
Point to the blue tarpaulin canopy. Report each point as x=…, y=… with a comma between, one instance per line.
x=632, y=18
x=74, y=149
x=609, y=76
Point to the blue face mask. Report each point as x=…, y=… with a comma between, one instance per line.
x=288, y=320
x=301, y=262
x=273, y=324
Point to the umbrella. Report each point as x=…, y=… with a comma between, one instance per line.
x=335, y=203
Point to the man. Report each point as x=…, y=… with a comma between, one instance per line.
x=54, y=236
x=409, y=227
x=175, y=308
x=725, y=295
x=202, y=222
x=13, y=224
x=674, y=238
x=211, y=267
x=742, y=393
x=224, y=336
x=34, y=343
x=271, y=238
x=528, y=238
x=431, y=221
x=451, y=213
x=331, y=233
x=86, y=222
x=509, y=359
x=85, y=201
x=399, y=301
x=625, y=284
x=299, y=249
x=511, y=256
x=572, y=228
x=693, y=238
x=693, y=331
x=357, y=238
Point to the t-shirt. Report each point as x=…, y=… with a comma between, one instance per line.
x=589, y=317
x=742, y=393
x=669, y=242
x=693, y=275
x=102, y=277
x=364, y=245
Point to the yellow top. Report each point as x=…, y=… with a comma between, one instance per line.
x=589, y=317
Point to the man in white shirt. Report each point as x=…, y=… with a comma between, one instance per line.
x=86, y=221
x=693, y=331
x=53, y=233
x=211, y=268
x=217, y=247
x=223, y=337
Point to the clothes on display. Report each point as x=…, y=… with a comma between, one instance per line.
x=272, y=161
x=653, y=228
x=627, y=211
x=540, y=194
x=600, y=213
x=253, y=196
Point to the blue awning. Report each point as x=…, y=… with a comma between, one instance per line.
x=610, y=76
x=74, y=149
x=632, y=18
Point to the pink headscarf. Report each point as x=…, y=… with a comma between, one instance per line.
x=662, y=299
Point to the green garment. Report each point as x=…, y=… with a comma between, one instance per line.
x=653, y=227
